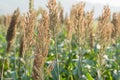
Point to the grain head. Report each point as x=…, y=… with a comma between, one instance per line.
x=11, y=32
x=53, y=15
x=42, y=46
x=116, y=23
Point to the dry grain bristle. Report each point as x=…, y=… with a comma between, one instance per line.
x=29, y=27
x=116, y=23
x=11, y=32
x=89, y=35
x=52, y=3
x=88, y=23
x=53, y=14
x=78, y=21
x=69, y=28
x=61, y=17
x=60, y=10
x=89, y=18
x=42, y=46
x=104, y=32
x=72, y=12
x=118, y=15
x=105, y=28
x=106, y=15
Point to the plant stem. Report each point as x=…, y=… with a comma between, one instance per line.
x=57, y=56
x=2, y=69
x=79, y=66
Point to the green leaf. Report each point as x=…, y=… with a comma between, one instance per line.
x=88, y=76
x=13, y=74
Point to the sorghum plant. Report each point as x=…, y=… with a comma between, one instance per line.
x=41, y=48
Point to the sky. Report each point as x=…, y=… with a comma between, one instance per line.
x=8, y=6
x=114, y=3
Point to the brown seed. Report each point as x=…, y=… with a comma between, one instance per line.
x=11, y=32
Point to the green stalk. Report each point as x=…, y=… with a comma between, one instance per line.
x=2, y=69
x=19, y=67
x=117, y=54
x=79, y=64
x=56, y=47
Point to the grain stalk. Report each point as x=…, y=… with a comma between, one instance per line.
x=69, y=29
x=116, y=25
x=89, y=29
x=42, y=46
x=53, y=14
x=104, y=34
x=77, y=15
x=28, y=36
x=116, y=33
x=11, y=34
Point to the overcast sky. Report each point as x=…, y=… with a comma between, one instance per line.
x=115, y=3
x=8, y=6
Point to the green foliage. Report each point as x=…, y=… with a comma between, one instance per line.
x=70, y=66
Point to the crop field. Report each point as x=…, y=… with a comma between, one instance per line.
x=45, y=44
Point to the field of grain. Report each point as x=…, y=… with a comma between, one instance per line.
x=48, y=45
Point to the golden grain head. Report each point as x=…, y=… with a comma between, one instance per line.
x=69, y=29
x=53, y=15
x=11, y=32
x=29, y=26
x=116, y=23
x=42, y=46
x=105, y=27
x=78, y=19
x=13, y=25
x=61, y=16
